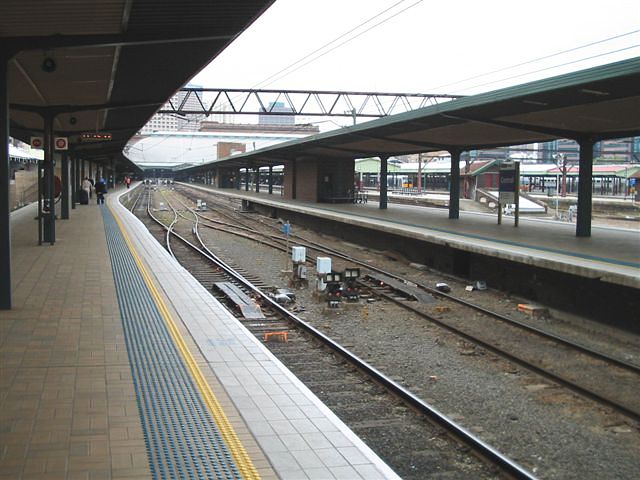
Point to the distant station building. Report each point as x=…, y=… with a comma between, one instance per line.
x=160, y=152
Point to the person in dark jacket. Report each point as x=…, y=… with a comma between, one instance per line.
x=101, y=189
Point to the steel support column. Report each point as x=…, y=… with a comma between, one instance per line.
x=454, y=187
x=49, y=220
x=583, y=222
x=74, y=180
x=270, y=179
x=383, y=182
x=256, y=173
x=64, y=203
x=246, y=179
x=294, y=179
x=5, y=207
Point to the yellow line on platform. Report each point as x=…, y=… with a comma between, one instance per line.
x=242, y=459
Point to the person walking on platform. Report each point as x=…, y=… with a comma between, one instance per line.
x=85, y=193
x=101, y=189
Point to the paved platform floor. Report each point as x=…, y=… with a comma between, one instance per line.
x=67, y=398
x=67, y=405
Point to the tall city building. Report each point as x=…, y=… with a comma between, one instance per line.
x=166, y=122
x=267, y=119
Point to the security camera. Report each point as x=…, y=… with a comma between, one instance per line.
x=49, y=65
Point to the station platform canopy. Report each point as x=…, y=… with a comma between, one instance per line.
x=106, y=66
x=595, y=104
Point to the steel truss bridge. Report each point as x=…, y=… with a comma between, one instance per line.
x=197, y=101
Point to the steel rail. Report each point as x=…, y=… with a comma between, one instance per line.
x=498, y=316
x=480, y=447
x=557, y=378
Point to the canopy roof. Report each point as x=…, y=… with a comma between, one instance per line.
x=599, y=103
x=108, y=65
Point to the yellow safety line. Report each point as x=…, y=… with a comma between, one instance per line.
x=242, y=460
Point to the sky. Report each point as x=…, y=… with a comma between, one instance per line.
x=423, y=46
x=461, y=47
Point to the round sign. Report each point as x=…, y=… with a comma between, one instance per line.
x=36, y=142
x=61, y=143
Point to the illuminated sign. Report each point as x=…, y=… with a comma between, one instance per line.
x=95, y=137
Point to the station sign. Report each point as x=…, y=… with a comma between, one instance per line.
x=37, y=142
x=507, y=184
x=61, y=143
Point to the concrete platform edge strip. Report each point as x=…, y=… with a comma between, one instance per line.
x=185, y=429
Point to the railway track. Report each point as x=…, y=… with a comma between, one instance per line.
x=610, y=381
x=364, y=397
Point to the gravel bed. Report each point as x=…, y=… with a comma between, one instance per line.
x=547, y=430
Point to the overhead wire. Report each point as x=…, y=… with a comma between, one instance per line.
x=268, y=80
x=348, y=40
x=272, y=78
x=597, y=42
x=546, y=57
x=552, y=67
x=331, y=42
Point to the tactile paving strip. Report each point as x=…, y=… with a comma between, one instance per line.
x=182, y=438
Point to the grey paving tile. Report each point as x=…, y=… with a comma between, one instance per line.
x=369, y=472
x=282, y=427
x=319, y=474
x=338, y=439
x=353, y=455
x=285, y=462
x=304, y=426
x=331, y=457
x=272, y=444
x=345, y=473
x=324, y=424
x=292, y=413
x=307, y=459
x=262, y=428
x=294, y=442
x=272, y=413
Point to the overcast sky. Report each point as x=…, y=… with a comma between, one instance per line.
x=430, y=47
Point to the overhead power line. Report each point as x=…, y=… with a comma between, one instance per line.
x=553, y=66
x=269, y=80
x=517, y=65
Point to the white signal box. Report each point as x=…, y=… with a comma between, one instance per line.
x=323, y=265
x=298, y=254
